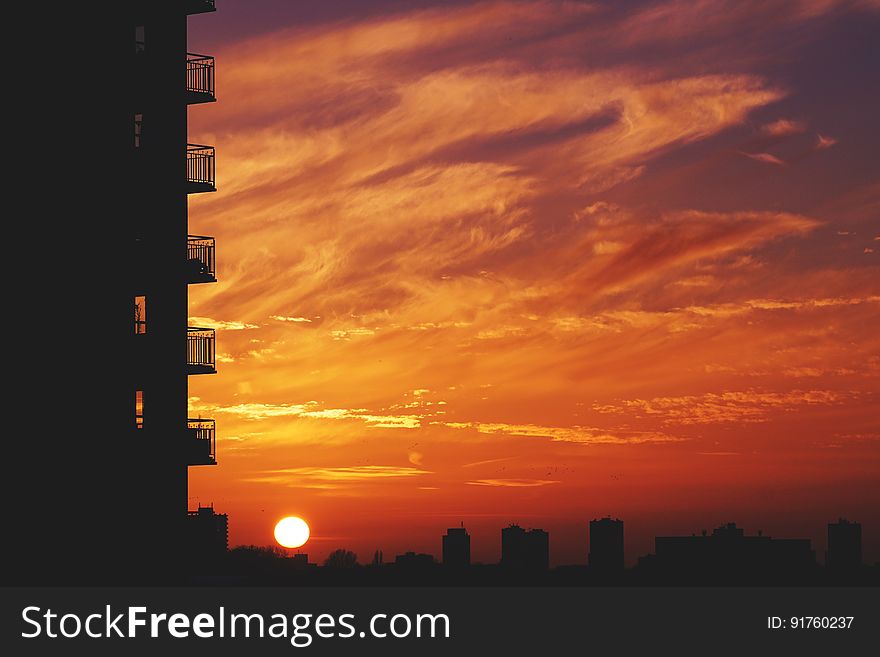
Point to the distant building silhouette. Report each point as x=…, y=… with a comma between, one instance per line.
x=207, y=534
x=414, y=560
x=606, y=545
x=525, y=549
x=844, y=545
x=728, y=552
x=300, y=560
x=457, y=547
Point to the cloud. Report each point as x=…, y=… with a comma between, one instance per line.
x=751, y=305
x=824, y=142
x=582, y=435
x=745, y=407
x=296, y=320
x=207, y=322
x=512, y=483
x=605, y=248
x=256, y=411
x=384, y=225
x=678, y=239
x=333, y=477
x=311, y=410
x=783, y=128
x=764, y=157
x=487, y=462
x=719, y=20
x=350, y=333
x=692, y=318
x=803, y=372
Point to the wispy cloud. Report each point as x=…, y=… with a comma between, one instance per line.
x=783, y=128
x=312, y=410
x=584, y=435
x=823, y=142
x=767, y=158
x=333, y=477
x=207, y=322
x=295, y=320
x=735, y=406
x=512, y=483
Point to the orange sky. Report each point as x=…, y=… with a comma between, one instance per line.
x=539, y=262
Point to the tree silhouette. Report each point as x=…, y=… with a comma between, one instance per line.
x=341, y=559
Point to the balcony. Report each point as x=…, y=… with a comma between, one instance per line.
x=199, y=79
x=201, y=442
x=199, y=75
x=199, y=168
x=200, y=259
x=199, y=6
x=200, y=357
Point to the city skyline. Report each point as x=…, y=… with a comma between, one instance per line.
x=539, y=262
x=455, y=546
x=726, y=555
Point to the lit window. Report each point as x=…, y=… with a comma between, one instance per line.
x=139, y=409
x=140, y=315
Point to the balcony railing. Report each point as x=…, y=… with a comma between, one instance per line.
x=199, y=78
x=200, y=168
x=200, y=358
x=201, y=444
x=200, y=259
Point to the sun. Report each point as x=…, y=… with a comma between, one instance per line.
x=291, y=532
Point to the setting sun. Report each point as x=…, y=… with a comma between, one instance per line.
x=291, y=532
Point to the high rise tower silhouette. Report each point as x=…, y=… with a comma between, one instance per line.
x=167, y=258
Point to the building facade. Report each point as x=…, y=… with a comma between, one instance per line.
x=844, y=546
x=207, y=535
x=457, y=548
x=728, y=552
x=168, y=258
x=606, y=545
x=528, y=549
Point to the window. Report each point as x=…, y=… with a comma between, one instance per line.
x=139, y=39
x=140, y=315
x=138, y=129
x=139, y=409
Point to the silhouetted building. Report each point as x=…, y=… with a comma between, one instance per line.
x=457, y=547
x=414, y=560
x=525, y=549
x=113, y=229
x=300, y=561
x=728, y=552
x=166, y=259
x=844, y=545
x=207, y=532
x=606, y=545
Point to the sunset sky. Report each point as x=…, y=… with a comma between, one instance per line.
x=539, y=262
